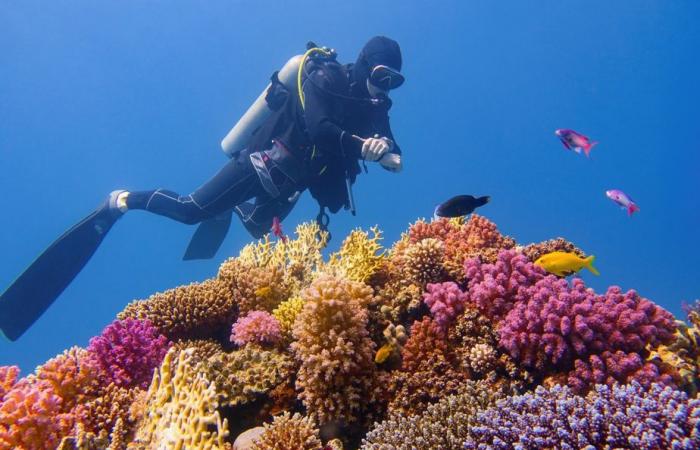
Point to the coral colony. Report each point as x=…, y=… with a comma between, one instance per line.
x=450, y=339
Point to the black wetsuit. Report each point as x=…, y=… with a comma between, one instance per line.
x=300, y=148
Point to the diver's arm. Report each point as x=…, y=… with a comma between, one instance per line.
x=321, y=126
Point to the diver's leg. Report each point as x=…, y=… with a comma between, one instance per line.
x=257, y=216
x=235, y=183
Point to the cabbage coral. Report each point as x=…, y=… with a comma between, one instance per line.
x=196, y=310
x=337, y=378
x=287, y=432
x=258, y=327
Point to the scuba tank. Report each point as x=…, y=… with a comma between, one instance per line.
x=290, y=76
x=238, y=137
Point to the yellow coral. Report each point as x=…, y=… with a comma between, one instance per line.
x=286, y=313
x=682, y=356
x=359, y=256
x=182, y=409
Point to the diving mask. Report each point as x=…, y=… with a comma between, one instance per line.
x=385, y=78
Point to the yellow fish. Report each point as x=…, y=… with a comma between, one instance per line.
x=383, y=353
x=563, y=264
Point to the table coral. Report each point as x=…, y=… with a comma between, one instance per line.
x=258, y=327
x=557, y=322
x=619, y=417
x=337, y=378
x=182, y=409
x=127, y=352
x=196, y=310
x=289, y=432
x=496, y=288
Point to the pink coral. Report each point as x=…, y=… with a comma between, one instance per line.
x=611, y=367
x=32, y=416
x=559, y=322
x=258, y=327
x=8, y=378
x=495, y=288
x=127, y=352
x=446, y=301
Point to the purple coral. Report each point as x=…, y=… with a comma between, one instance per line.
x=446, y=301
x=127, y=352
x=258, y=327
x=495, y=288
x=559, y=322
x=624, y=417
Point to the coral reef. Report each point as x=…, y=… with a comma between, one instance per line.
x=287, y=432
x=620, y=417
x=127, y=352
x=451, y=338
x=192, y=311
x=336, y=378
x=258, y=327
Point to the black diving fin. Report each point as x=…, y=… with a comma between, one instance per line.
x=51, y=272
x=208, y=237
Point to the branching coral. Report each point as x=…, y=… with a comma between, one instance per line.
x=442, y=425
x=182, y=409
x=446, y=301
x=558, y=322
x=337, y=376
x=72, y=375
x=243, y=375
x=287, y=432
x=258, y=327
x=193, y=311
x=620, y=417
x=495, y=288
x=359, y=256
x=8, y=378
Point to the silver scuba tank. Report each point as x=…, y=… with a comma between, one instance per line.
x=239, y=136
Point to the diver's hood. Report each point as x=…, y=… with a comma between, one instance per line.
x=379, y=50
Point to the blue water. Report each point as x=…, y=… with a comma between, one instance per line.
x=96, y=96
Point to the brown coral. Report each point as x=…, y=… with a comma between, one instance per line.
x=196, y=310
x=103, y=412
x=337, y=376
x=287, y=432
x=535, y=251
x=424, y=262
x=255, y=288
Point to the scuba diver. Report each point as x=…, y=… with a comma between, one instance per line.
x=309, y=129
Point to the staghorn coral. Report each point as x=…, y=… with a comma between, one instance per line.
x=442, y=425
x=8, y=378
x=286, y=313
x=558, y=322
x=446, y=301
x=617, y=417
x=337, y=378
x=193, y=311
x=424, y=262
x=359, y=257
x=534, y=251
x=243, y=375
x=258, y=327
x=182, y=409
x=32, y=416
x=127, y=352
x=287, y=432
x=495, y=288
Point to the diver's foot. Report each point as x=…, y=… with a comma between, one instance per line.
x=116, y=203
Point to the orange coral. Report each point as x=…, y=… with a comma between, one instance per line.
x=194, y=310
x=337, y=377
x=8, y=377
x=71, y=375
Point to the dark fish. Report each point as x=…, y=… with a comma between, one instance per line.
x=460, y=205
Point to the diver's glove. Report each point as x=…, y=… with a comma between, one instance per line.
x=375, y=147
x=391, y=162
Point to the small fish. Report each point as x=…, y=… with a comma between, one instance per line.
x=383, y=353
x=575, y=141
x=563, y=264
x=459, y=206
x=623, y=200
x=277, y=229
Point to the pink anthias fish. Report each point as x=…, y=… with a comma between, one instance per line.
x=277, y=229
x=622, y=199
x=575, y=141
